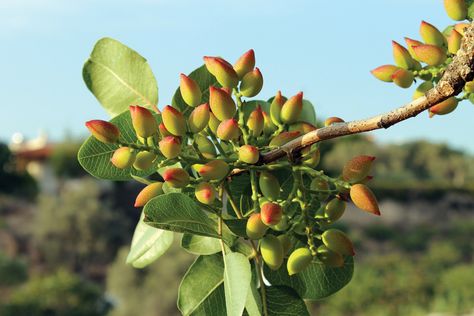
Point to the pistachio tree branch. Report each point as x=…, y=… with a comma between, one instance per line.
x=458, y=72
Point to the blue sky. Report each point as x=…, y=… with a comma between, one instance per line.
x=325, y=48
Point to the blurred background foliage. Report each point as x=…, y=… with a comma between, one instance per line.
x=64, y=237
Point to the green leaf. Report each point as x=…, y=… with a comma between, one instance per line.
x=200, y=245
x=237, y=226
x=148, y=244
x=202, y=290
x=94, y=156
x=253, y=304
x=204, y=80
x=315, y=282
x=252, y=105
x=119, y=77
x=237, y=278
x=282, y=300
x=178, y=212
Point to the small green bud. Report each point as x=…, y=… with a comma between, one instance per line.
x=334, y=209
x=384, y=72
x=454, y=42
x=271, y=213
x=364, y=198
x=205, y=193
x=176, y=177
x=318, y=184
x=147, y=193
x=282, y=225
x=255, y=227
x=221, y=103
x=228, y=130
x=283, y=138
x=174, y=121
x=222, y=70
x=144, y=160
x=445, y=107
x=291, y=110
x=431, y=35
x=403, y=78
x=214, y=170
x=272, y=251
x=456, y=9
x=245, y=63
x=269, y=185
x=103, y=131
x=402, y=56
x=329, y=258
x=338, y=241
x=123, y=158
x=275, y=107
x=144, y=123
x=199, y=118
x=357, y=168
x=422, y=89
x=248, y=154
x=299, y=260
x=255, y=122
x=430, y=54
x=285, y=243
x=251, y=83
x=170, y=147
x=190, y=90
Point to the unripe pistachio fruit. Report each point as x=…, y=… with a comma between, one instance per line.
x=205, y=193
x=163, y=131
x=283, y=138
x=431, y=35
x=248, y=154
x=357, y=168
x=190, y=90
x=255, y=227
x=445, y=107
x=275, y=107
x=269, y=185
x=402, y=56
x=103, y=131
x=312, y=160
x=144, y=160
x=228, y=130
x=285, y=243
x=291, y=110
x=170, y=147
x=214, y=170
x=221, y=103
x=176, y=177
x=213, y=123
x=268, y=126
x=422, y=89
x=123, y=158
x=143, y=122
x=454, y=42
x=338, y=241
x=461, y=27
x=255, y=122
x=469, y=87
x=199, y=118
x=205, y=146
x=271, y=213
x=364, y=198
x=299, y=260
x=456, y=9
x=329, y=258
x=222, y=70
x=282, y=225
x=334, y=209
x=334, y=119
x=251, y=83
x=430, y=54
x=302, y=127
x=147, y=193
x=174, y=121
x=318, y=184
x=272, y=251
x=245, y=63
x=403, y=78
x=410, y=43
x=384, y=72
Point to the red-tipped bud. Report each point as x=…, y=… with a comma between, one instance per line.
x=174, y=121
x=291, y=110
x=103, y=131
x=364, y=198
x=422, y=89
x=461, y=27
x=170, y=147
x=248, y=154
x=329, y=258
x=275, y=107
x=302, y=127
x=255, y=227
x=431, y=35
x=251, y=83
x=190, y=90
x=205, y=146
x=456, y=9
x=334, y=209
x=445, y=107
x=333, y=120
x=222, y=70
x=401, y=56
x=454, y=42
x=271, y=213
x=268, y=126
x=199, y=118
x=385, y=72
x=214, y=170
x=410, y=43
x=176, y=177
x=430, y=54
x=283, y=138
x=144, y=160
x=245, y=63
x=213, y=123
x=338, y=241
x=144, y=123
x=269, y=185
x=123, y=158
x=205, y=193
x=228, y=130
x=299, y=260
x=221, y=103
x=357, y=168
x=272, y=251
x=403, y=78
x=163, y=131
x=148, y=192
x=255, y=122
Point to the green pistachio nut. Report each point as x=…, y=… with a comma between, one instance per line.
x=283, y=138
x=214, y=170
x=282, y=225
x=403, y=78
x=143, y=122
x=163, y=131
x=272, y=251
x=312, y=160
x=249, y=154
x=252, y=83
x=430, y=54
x=271, y=213
x=213, y=123
x=285, y=243
x=199, y=118
x=103, y=131
x=174, y=121
x=147, y=193
x=445, y=107
x=255, y=122
x=144, y=160
x=334, y=209
x=221, y=103
x=402, y=56
x=431, y=35
x=320, y=186
x=454, y=42
x=291, y=110
x=268, y=126
x=269, y=185
x=338, y=241
x=205, y=146
x=228, y=130
x=245, y=63
x=456, y=9
x=190, y=90
x=299, y=260
x=205, y=193
x=255, y=228
x=275, y=108
x=329, y=258
x=123, y=157
x=410, y=43
x=422, y=89
x=170, y=147
x=384, y=72
x=222, y=70
x=176, y=177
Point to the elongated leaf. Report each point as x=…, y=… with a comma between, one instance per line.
x=204, y=80
x=315, y=282
x=237, y=276
x=94, y=156
x=200, y=245
x=119, y=77
x=148, y=244
x=253, y=304
x=202, y=289
x=282, y=300
x=178, y=212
